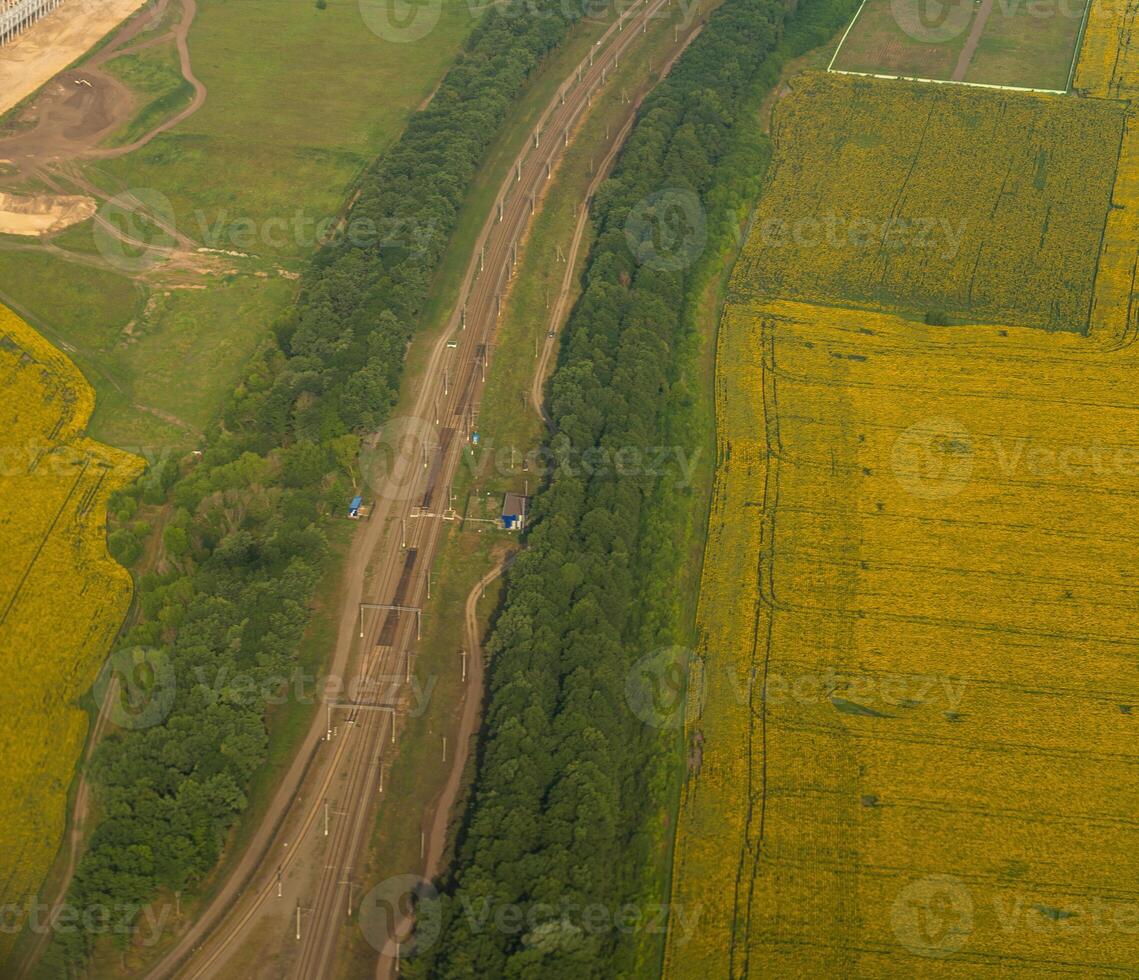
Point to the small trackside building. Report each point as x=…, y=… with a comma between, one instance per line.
x=514, y=510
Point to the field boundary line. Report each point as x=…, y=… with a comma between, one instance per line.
x=948, y=81
x=1079, y=43
x=849, y=28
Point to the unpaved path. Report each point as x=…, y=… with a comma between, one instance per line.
x=980, y=19
x=468, y=723
x=181, y=32
x=557, y=314
x=76, y=835
x=538, y=383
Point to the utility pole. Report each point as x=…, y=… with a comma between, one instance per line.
x=278, y=882
x=326, y=816
x=444, y=748
x=463, y=654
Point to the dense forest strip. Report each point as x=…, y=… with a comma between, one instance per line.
x=556, y=851
x=245, y=546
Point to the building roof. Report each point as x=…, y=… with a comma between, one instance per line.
x=515, y=503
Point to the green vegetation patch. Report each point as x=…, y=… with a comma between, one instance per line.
x=1019, y=43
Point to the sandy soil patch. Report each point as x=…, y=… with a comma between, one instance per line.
x=43, y=214
x=49, y=46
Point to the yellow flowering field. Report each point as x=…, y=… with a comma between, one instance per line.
x=917, y=684
x=935, y=199
x=918, y=702
x=1109, y=69
x=62, y=598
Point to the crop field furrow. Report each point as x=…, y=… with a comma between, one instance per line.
x=915, y=632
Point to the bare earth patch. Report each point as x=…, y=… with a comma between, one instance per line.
x=49, y=46
x=43, y=214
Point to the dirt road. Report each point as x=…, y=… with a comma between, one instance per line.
x=980, y=19
x=558, y=313
x=76, y=829
x=348, y=766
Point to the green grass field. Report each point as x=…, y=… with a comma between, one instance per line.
x=285, y=130
x=986, y=42
x=155, y=77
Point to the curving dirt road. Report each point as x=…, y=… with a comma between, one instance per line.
x=468, y=722
x=347, y=769
x=181, y=33
x=558, y=312
x=75, y=836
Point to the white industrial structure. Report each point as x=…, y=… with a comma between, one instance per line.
x=15, y=15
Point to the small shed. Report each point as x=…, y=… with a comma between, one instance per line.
x=514, y=509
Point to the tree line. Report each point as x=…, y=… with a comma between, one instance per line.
x=560, y=831
x=245, y=541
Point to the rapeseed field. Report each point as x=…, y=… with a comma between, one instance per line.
x=916, y=690
x=62, y=598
